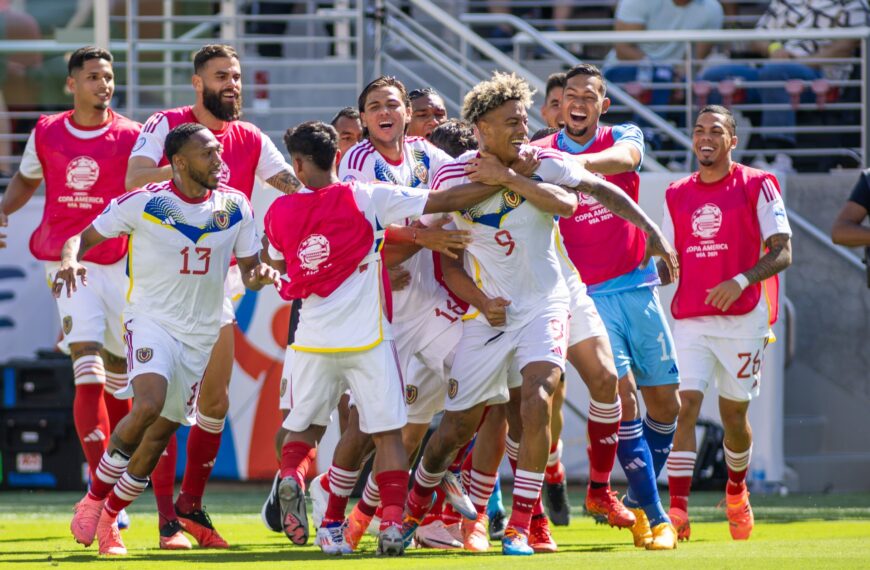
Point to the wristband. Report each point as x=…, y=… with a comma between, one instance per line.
x=774, y=47
x=741, y=280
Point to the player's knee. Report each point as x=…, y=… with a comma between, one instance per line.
x=734, y=420
x=629, y=404
x=215, y=407
x=79, y=349
x=535, y=410
x=689, y=409
x=603, y=384
x=666, y=411
x=145, y=411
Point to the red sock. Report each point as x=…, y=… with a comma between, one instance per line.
x=436, y=512
x=420, y=496
x=681, y=466
x=602, y=429
x=527, y=492
x=538, y=509
x=127, y=489
x=341, y=484
x=555, y=471
x=460, y=457
x=203, y=444
x=117, y=408
x=163, y=482
x=394, y=491
x=92, y=423
x=371, y=497
x=296, y=458
x=736, y=482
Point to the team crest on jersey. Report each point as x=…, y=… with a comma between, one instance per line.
x=706, y=221
x=222, y=219
x=512, y=199
x=585, y=199
x=67, y=324
x=452, y=388
x=283, y=386
x=410, y=394
x=143, y=355
x=421, y=173
x=313, y=251
x=82, y=173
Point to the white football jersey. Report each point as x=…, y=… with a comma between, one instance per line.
x=179, y=254
x=513, y=251
x=423, y=309
x=351, y=318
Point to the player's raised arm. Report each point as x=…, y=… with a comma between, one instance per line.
x=458, y=197
x=73, y=250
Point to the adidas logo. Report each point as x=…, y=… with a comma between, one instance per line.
x=636, y=463
x=94, y=436
x=609, y=440
x=663, y=451
x=674, y=369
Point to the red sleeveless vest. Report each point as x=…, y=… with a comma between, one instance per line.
x=323, y=236
x=242, y=144
x=717, y=236
x=81, y=177
x=601, y=244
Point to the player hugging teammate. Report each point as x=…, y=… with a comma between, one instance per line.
x=424, y=282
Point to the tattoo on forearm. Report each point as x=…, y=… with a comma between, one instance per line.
x=285, y=182
x=777, y=258
x=615, y=200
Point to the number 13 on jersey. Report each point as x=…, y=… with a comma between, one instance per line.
x=202, y=254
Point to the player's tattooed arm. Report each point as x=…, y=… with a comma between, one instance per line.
x=617, y=201
x=664, y=273
x=285, y=182
x=70, y=255
x=777, y=258
x=256, y=274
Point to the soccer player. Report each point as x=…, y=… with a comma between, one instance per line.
x=521, y=297
x=454, y=136
x=427, y=112
x=608, y=252
x=732, y=234
x=349, y=127
x=426, y=320
x=185, y=232
x=81, y=156
x=551, y=110
x=329, y=238
x=246, y=154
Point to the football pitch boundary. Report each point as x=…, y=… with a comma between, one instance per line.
x=799, y=531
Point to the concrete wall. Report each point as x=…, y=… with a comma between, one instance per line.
x=827, y=394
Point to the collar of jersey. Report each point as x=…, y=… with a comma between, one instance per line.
x=567, y=144
x=188, y=199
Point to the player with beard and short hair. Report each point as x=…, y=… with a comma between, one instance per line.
x=247, y=154
x=185, y=232
x=608, y=252
x=731, y=231
x=80, y=154
x=427, y=112
x=349, y=127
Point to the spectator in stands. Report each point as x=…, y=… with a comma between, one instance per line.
x=788, y=59
x=454, y=136
x=848, y=228
x=349, y=127
x=427, y=112
x=551, y=110
x=656, y=62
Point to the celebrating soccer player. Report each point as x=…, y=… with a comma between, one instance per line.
x=732, y=234
x=246, y=154
x=186, y=231
x=81, y=155
x=332, y=260
x=608, y=252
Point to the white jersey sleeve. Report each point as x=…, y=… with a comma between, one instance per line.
x=392, y=204
x=30, y=166
x=152, y=138
x=121, y=215
x=247, y=242
x=271, y=160
x=770, y=210
x=275, y=254
x=556, y=168
x=667, y=225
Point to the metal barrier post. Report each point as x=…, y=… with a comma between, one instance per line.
x=690, y=101
x=132, y=56
x=101, y=23
x=167, y=55
x=865, y=73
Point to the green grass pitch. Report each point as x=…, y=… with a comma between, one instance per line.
x=800, y=531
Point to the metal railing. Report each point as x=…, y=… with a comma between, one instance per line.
x=526, y=39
